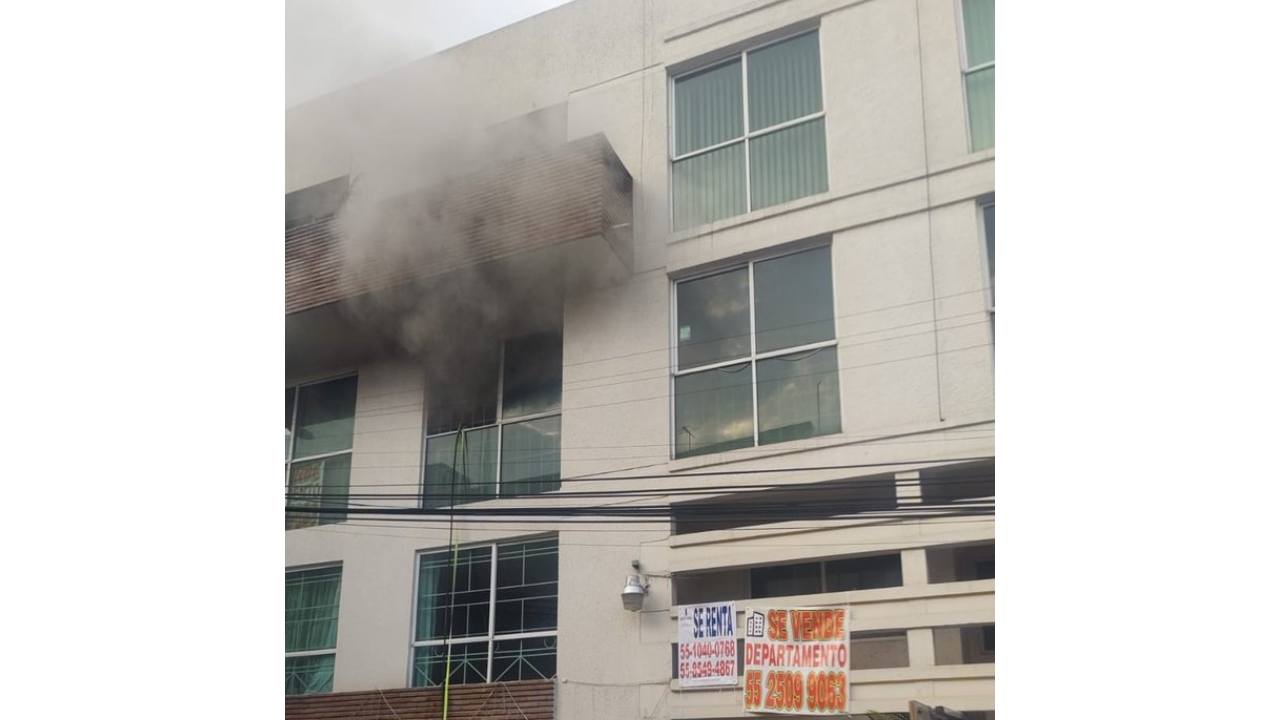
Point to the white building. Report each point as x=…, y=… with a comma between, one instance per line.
x=730, y=256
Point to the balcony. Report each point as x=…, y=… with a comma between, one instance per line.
x=543, y=223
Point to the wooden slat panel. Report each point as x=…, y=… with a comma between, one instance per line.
x=531, y=699
x=551, y=197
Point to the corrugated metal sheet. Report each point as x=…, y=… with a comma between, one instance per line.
x=521, y=700
x=578, y=190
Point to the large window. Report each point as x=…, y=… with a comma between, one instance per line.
x=499, y=436
x=310, y=629
x=488, y=617
x=319, y=425
x=756, y=355
x=979, y=55
x=748, y=132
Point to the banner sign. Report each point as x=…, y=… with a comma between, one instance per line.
x=796, y=660
x=708, y=652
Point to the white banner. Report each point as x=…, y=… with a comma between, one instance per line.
x=795, y=661
x=708, y=651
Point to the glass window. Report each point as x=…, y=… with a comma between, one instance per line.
x=796, y=392
x=798, y=395
x=783, y=580
x=783, y=149
x=531, y=372
x=319, y=431
x=531, y=456
x=864, y=573
x=510, y=441
x=980, y=71
x=310, y=625
x=498, y=600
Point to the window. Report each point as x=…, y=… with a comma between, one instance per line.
x=807, y=578
x=964, y=644
x=748, y=132
x=319, y=425
x=979, y=53
x=756, y=355
x=313, y=203
x=310, y=629
x=498, y=436
x=878, y=649
x=491, y=617
x=758, y=507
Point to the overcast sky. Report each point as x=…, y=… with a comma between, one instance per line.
x=332, y=43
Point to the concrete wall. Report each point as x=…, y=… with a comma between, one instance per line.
x=914, y=339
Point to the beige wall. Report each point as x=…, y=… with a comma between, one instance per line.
x=916, y=383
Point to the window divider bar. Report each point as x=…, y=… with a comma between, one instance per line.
x=797, y=349
x=710, y=148
x=751, y=321
x=321, y=456
x=311, y=653
x=980, y=67
x=715, y=366
x=746, y=155
x=493, y=606
x=786, y=124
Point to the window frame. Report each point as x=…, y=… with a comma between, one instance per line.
x=490, y=638
x=292, y=429
x=325, y=651
x=965, y=72
x=747, y=133
x=752, y=357
x=500, y=422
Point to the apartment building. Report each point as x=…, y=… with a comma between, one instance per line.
x=696, y=298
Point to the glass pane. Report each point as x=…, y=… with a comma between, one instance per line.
x=531, y=457
x=989, y=229
x=712, y=321
x=799, y=396
x=467, y=663
x=980, y=31
x=308, y=674
x=311, y=609
x=326, y=417
x=524, y=659
x=783, y=580
x=469, y=612
x=475, y=458
x=531, y=369
x=709, y=186
x=527, y=587
x=289, y=394
x=864, y=573
x=713, y=411
x=793, y=300
x=708, y=107
x=981, y=89
x=784, y=81
x=318, y=483
x=788, y=164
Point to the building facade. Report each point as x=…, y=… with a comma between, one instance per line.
x=699, y=292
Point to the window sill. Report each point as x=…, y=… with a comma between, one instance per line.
x=678, y=236
x=874, y=595
x=821, y=442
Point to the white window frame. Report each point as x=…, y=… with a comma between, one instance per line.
x=753, y=357
x=500, y=423
x=985, y=201
x=748, y=133
x=289, y=458
x=306, y=568
x=491, y=637
x=965, y=72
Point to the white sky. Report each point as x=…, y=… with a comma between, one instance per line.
x=332, y=43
